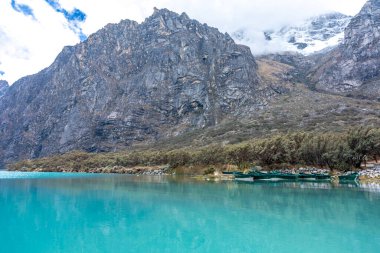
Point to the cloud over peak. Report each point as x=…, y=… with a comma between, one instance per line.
x=31, y=41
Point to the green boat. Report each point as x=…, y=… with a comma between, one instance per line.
x=285, y=176
x=322, y=177
x=228, y=172
x=306, y=176
x=349, y=177
x=273, y=175
x=259, y=175
x=241, y=175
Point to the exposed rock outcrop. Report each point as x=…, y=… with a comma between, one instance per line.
x=353, y=68
x=300, y=64
x=4, y=86
x=130, y=83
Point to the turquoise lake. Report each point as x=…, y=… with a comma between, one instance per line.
x=52, y=212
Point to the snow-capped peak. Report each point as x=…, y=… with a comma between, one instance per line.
x=310, y=36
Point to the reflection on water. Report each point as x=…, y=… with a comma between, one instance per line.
x=116, y=213
x=373, y=187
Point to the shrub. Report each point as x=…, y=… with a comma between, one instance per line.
x=209, y=171
x=340, y=151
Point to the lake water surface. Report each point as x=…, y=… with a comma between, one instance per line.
x=52, y=212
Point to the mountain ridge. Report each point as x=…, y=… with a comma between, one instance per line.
x=167, y=82
x=4, y=86
x=129, y=83
x=353, y=67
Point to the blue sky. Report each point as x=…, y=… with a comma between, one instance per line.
x=33, y=32
x=22, y=8
x=74, y=17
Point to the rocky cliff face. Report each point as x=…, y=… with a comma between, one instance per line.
x=130, y=83
x=354, y=67
x=4, y=86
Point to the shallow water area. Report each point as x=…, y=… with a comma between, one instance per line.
x=58, y=212
x=29, y=175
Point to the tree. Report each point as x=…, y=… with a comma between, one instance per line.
x=361, y=142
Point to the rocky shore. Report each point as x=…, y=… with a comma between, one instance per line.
x=306, y=170
x=367, y=175
x=370, y=174
x=139, y=170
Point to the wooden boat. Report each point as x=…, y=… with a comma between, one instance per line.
x=273, y=175
x=257, y=175
x=241, y=175
x=303, y=176
x=285, y=176
x=228, y=172
x=349, y=177
x=306, y=176
x=322, y=177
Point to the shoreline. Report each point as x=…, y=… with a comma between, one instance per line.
x=366, y=175
x=137, y=170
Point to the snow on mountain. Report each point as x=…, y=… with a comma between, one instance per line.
x=312, y=35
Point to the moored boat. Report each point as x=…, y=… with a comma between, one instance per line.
x=258, y=175
x=242, y=175
x=349, y=177
x=273, y=175
x=306, y=176
x=322, y=177
x=228, y=172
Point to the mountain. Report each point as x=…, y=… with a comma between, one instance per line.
x=312, y=35
x=131, y=83
x=173, y=82
x=353, y=68
x=4, y=86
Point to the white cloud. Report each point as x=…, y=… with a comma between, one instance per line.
x=27, y=45
x=30, y=45
x=223, y=14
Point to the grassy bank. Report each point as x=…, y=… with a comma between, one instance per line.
x=336, y=151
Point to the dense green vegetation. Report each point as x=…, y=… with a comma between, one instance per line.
x=337, y=151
